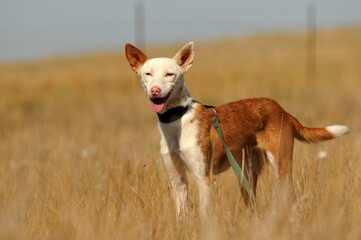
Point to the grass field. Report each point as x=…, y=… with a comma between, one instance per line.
x=79, y=147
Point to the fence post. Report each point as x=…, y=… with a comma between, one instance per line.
x=139, y=24
x=311, y=43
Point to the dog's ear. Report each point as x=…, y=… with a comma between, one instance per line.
x=135, y=57
x=184, y=58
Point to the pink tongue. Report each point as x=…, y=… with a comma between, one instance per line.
x=156, y=107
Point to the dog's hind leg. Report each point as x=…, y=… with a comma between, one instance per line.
x=277, y=140
x=279, y=153
x=252, y=166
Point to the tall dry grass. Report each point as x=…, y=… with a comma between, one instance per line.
x=79, y=155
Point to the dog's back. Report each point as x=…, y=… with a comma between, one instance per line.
x=256, y=123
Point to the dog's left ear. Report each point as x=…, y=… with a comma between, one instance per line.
x=184, y=58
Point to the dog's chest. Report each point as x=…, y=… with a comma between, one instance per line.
x=181, y=137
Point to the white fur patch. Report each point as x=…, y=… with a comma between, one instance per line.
x=157, y=68
x=273, y=162
x=338, y=130
x=179, y=142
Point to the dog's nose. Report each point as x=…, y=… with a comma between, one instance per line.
x=155, y=91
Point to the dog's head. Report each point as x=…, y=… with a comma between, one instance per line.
x=162, y=78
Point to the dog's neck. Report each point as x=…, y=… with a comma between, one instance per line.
x=181, y=98
x=177, y=107
x=173, y=114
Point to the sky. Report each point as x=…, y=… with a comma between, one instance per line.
x=31, y=29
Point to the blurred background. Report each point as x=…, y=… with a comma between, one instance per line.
x=79, y=146
x=41, y=28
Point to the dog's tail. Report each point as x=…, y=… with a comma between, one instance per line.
x=317, y=134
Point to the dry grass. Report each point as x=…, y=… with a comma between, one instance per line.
x=79, y=155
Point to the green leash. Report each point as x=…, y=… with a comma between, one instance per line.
x=231, y=159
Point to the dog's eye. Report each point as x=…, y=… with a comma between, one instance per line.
x=148, y=74
x=169, y=74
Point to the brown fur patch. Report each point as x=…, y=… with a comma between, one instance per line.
x=256, y=125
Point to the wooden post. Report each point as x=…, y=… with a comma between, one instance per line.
x=311, y=43
x=139, y=24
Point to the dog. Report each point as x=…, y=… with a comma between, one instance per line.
x=258, y=128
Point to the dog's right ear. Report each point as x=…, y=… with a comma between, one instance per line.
x=135, y=57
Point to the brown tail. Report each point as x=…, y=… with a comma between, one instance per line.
x=317, y=134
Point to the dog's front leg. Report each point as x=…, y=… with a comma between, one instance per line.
x=205, y=200
x=177, y=178
x=194, y=159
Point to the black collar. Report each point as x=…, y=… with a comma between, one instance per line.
x=173, y=114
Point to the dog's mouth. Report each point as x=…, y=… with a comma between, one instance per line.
x=157, y=104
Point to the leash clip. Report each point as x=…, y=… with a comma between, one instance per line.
x=213, y=111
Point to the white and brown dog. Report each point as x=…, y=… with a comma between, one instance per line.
x=189, y=141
